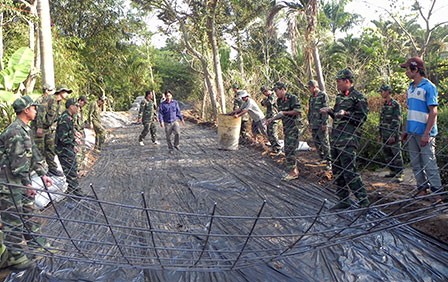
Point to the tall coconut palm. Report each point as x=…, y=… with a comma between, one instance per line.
x=307, y=9
x=45, y=42
x=337, y=18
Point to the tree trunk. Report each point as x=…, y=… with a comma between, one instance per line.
x=211, y=31
x=46, y=43
x=204, y=101
x=33, y=40
x=211, y=91
x=240, y=58
x=1, y=41
x=318, y=68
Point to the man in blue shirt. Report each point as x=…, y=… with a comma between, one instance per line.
x=421, y=127
x=169, y=114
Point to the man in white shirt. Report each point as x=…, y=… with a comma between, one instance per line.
x=250, y=106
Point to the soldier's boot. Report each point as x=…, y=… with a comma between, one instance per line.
x=364, y=203
x=342, y=205
x=20, y=262
x=343, y=194
x=3, y=252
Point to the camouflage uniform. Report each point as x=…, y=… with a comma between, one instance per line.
x=148, y=113
x=19, y=156
x=344, y=143
x=39, y=122
x=317, y=121
x=65, y=148
x=47, y=114
x=290, y=129
x=272, y=129
x=244, y=134
x=80, y=124
x=390, y=123
x=95, y=120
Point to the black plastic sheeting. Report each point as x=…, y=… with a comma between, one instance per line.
x=262, y=229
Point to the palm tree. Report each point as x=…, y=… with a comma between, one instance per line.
x=337, y=18
x=307, y=9
x=45, y=42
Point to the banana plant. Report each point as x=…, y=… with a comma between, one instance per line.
x=15, y=73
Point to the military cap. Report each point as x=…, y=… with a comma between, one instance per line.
x=63, y=88
x=264, y=88
x=23, y=103
x=279, y=85
x=242, y=93
x=82, y=98
x=71, y=102
x=345, y=74
x=235, y=86
x=47, y=87
x=415, y=62
x=313, y=82
x=104, y=98
x=385, y=87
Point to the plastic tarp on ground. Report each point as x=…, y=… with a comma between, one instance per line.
x=203, y=214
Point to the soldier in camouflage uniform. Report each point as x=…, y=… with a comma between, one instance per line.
x=65, y=146
x=80, y=135
x=288, y=106
x=349, y=114
x=319, y=121
x=19, y=156
x=51, y=110
x=237, y=102
x=147, y=115
x=390, y=126
x=271, y=110
x=39, y=124
x=94, y=120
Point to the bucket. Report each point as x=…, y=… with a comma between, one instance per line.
x=228, y=132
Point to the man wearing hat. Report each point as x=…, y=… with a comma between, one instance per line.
x=52, y=109
x=237, y=102
x=319, y=121
x=80, y=122
x=65, y=145
x=270, y=102
x=249, y=106
x=38, y=124
x=19, y=156
x=349, y=114
x=288, y=106
x=421, y=127
x=94, y=120
x=390, y=126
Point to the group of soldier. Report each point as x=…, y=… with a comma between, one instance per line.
x=338, y=149
x=25, y=148
x=51, y=126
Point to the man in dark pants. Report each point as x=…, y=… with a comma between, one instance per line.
x=288, y=106
x=349, y=114
x=270, y=102
x=94, y=121
x=19, y=156
x=237, y=102
x=390, y=128
x=169, y=114
x=65, y=146
x=51, y=110
x=146, y=116
x=319, y=122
